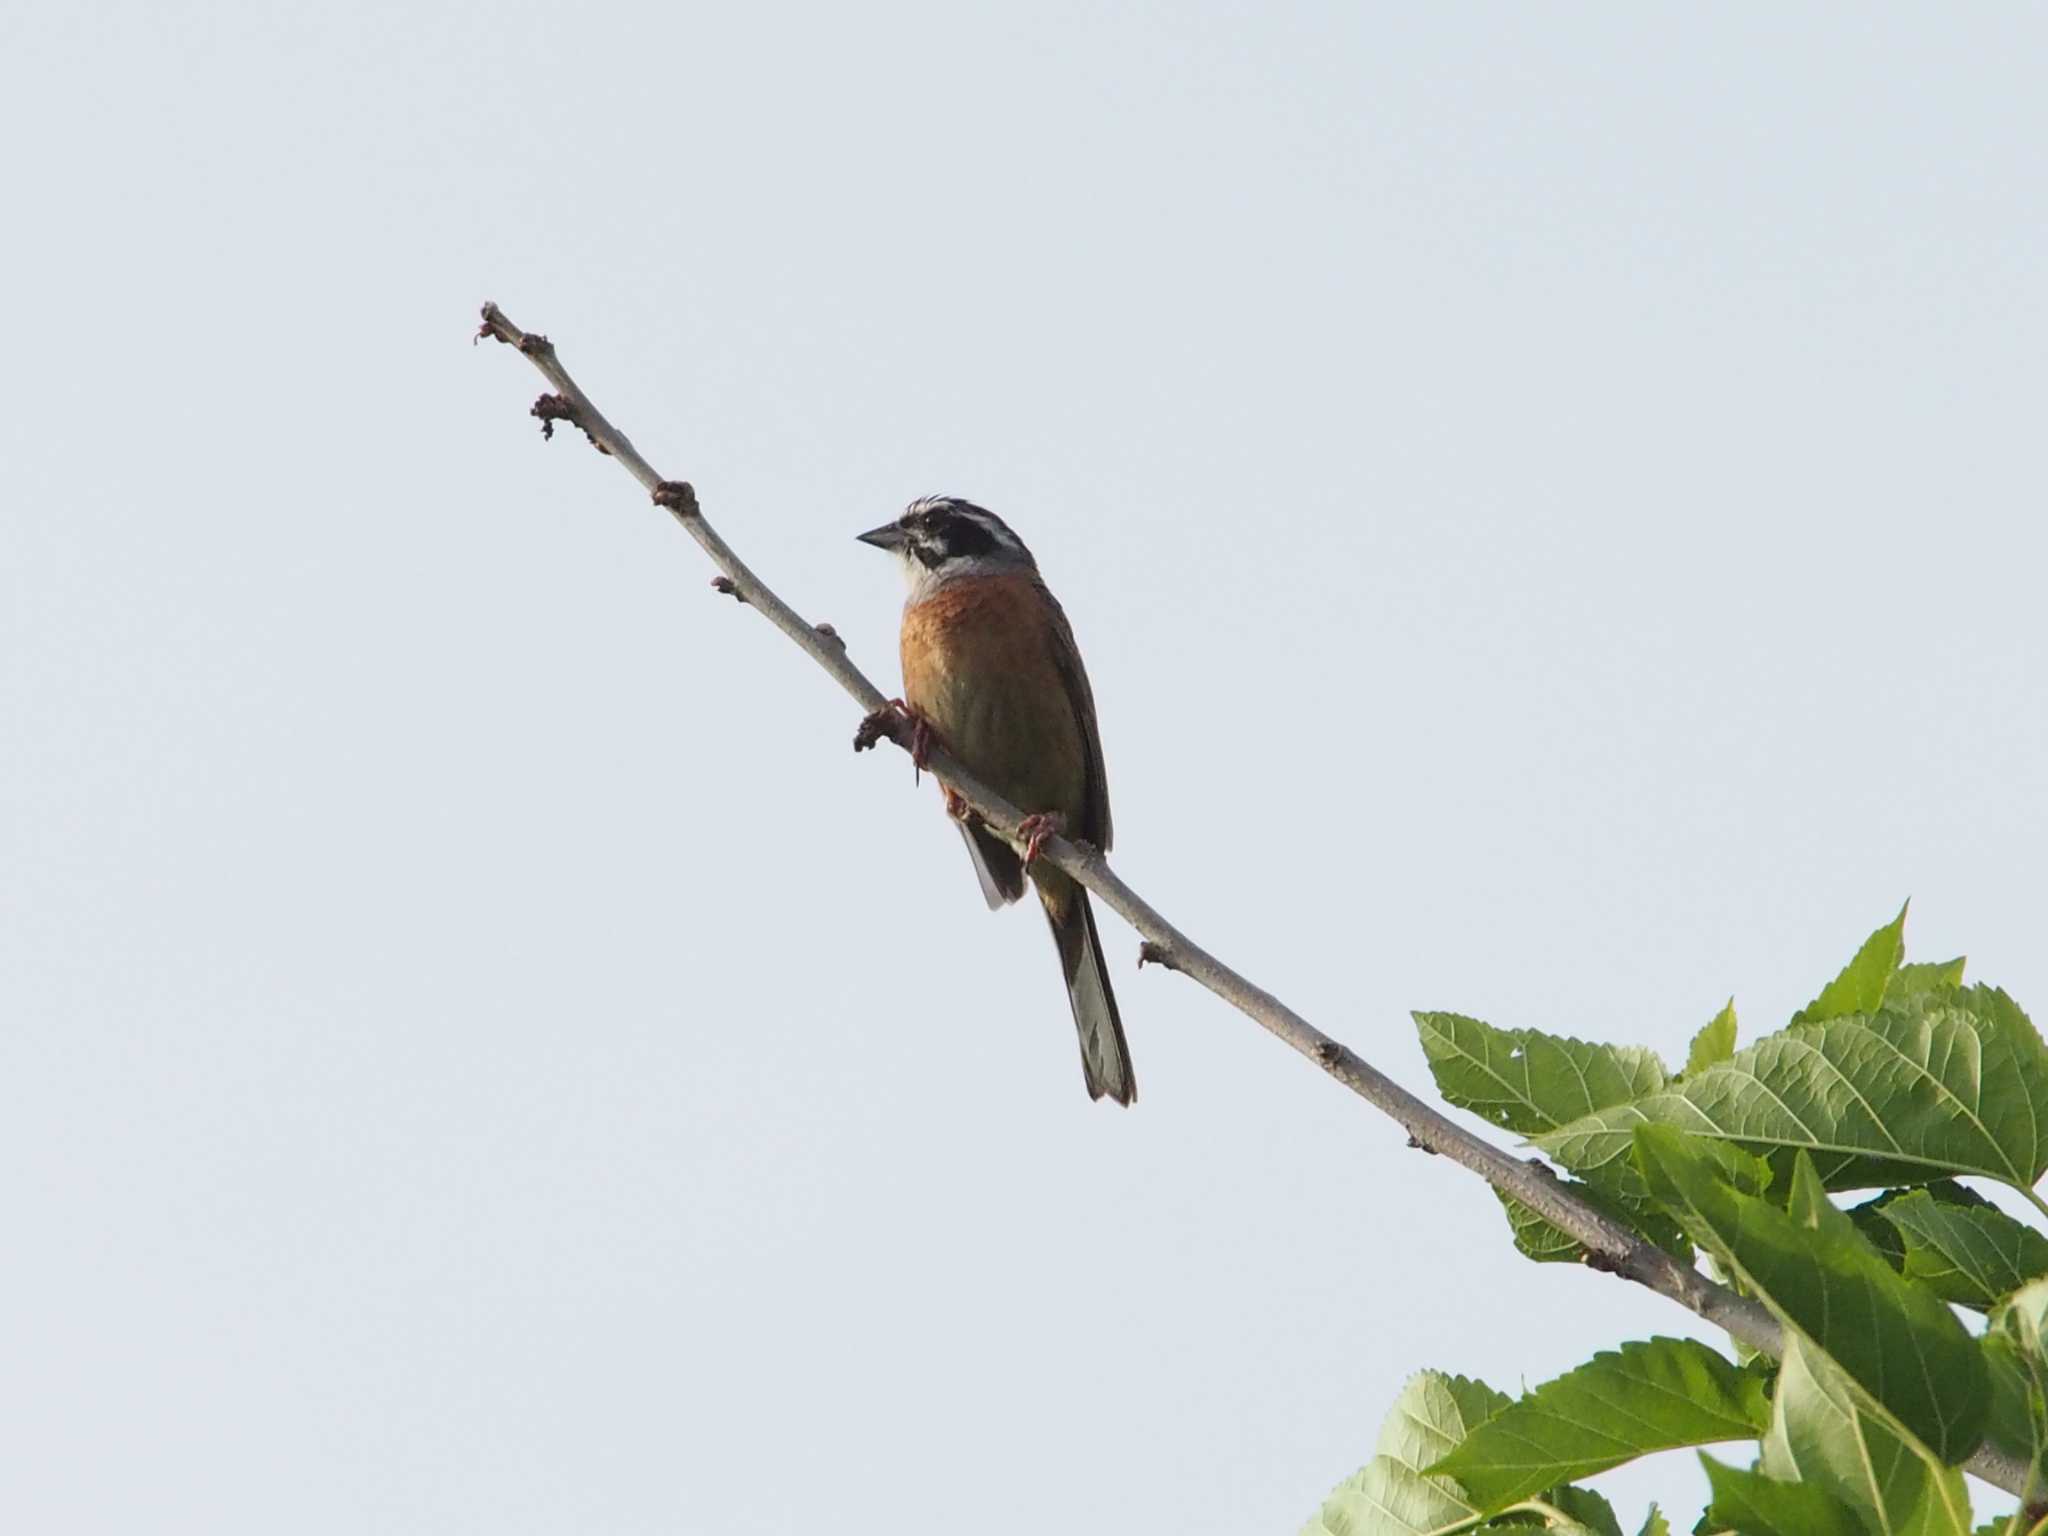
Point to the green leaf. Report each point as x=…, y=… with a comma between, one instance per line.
x=1546, y=1244
x=1861, y=986
x=2016, y=1350
x=2023, y=1318
x=1968, y=1254
x=1810, y=1265
x=1755, y=1505
x=1391, y=1495
x=1654, y=1523
x=1647, y=1396
x=1536, y=1238
x=1583, y=1510
x=1527, y=1081
x=2017, y=1347
x=1934, y=1084
x=1824, y=1432
x=1715, y=1042
x=1879, y=1233
x=2018, y=1420
x=1927, y=976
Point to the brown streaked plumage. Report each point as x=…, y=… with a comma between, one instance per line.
x=989, y=662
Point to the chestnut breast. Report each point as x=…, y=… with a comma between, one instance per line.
x=979, y=662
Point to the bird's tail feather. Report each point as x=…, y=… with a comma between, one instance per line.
x=1105, y=1054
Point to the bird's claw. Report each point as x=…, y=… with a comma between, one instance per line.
x=1036, y=829
x=956, y=804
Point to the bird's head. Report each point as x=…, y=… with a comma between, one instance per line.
x=941, y=538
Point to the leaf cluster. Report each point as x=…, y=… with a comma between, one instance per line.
x=1896, y=1078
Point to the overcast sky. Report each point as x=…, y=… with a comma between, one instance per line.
x=1551, y=499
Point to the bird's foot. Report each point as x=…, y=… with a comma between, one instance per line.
x=956, y=804
x=1036, y=829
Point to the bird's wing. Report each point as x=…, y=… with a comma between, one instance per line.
x=1066, y=658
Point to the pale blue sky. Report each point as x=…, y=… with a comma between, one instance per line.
x=1552, y=502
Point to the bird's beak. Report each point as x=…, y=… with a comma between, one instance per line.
x=888, y=536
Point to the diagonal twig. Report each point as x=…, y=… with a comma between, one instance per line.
x=1608, y=1244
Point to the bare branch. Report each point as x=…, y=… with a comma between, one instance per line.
x=1609, y=1246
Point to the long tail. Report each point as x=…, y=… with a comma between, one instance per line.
x=1105, y=1054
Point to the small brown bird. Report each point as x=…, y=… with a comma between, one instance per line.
x=990, y=668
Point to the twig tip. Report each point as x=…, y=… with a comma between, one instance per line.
x=494, y=324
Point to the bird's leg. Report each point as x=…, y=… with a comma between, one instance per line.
x=922, y=739
x=1036, y=829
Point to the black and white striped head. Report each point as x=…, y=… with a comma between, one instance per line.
x=941, y=538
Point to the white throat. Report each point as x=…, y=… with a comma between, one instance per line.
x=923, y=581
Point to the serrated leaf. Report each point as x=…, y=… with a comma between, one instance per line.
x=1824, y=1432
x=1391, y=1495
x=1527, y=1081
x=1715, y=1042
x=1927, y=976
x=1654, y=1523
x=1968, y=1254
x=1860, y=987
x=1752, y=1504
x=1647, y=1396
x=1811, y=1267
x=1933, y=1085
x=1883, y=1236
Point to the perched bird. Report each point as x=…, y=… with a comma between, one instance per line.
x=990, y=668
